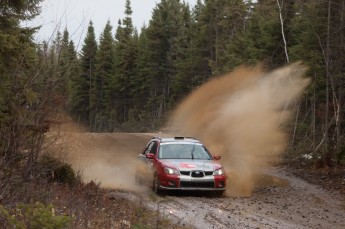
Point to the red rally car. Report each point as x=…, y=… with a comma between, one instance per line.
x=180, y=163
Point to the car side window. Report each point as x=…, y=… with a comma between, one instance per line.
x=154, y=148
x=148, y=148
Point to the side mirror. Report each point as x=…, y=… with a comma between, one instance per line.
x=150, y=156
x=217, y=157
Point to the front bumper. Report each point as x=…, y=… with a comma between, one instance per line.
x=183, y=182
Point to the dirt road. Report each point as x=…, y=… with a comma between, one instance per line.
x=296, y=205
x=280, y=200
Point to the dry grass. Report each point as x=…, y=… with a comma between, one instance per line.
x=87, y=205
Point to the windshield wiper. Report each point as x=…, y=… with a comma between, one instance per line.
x=193, y=152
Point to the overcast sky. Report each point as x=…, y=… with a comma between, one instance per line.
x=76, y=14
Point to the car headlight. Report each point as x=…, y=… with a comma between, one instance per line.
x=171, y=171
x=219, y=172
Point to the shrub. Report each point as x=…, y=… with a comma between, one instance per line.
x=65, y=174
x=34, y=216
x=58, y=171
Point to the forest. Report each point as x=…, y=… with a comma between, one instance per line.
x=129, y=80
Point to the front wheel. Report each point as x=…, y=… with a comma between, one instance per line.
x=219, y=194
x=156, y=185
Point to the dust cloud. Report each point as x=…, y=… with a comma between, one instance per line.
x=108, y=159
x=241, y=116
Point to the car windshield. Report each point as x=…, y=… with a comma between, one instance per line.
x=183, y=151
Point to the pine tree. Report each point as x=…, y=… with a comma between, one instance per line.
x=101, y=85
x=82, y=84
x=219, y=22
x=182, y=56
x=167, y=43
x=67, y=65
x=24, y=89
x=313, y=42
x=261, y=39
x=124, y=66
x=198, y=54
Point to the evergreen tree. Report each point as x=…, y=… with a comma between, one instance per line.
x=219, y=22
x=67, y=65
x=179, y=55
x=24, y=90
x=17, y=61
x=124, y=66
x=101, y=85
x=313, y=42
x=168, y=41
x=141, y=83
x=82, y=84
x=262, y=38
x=198, y=54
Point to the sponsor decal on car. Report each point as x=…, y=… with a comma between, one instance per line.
x=187, y=165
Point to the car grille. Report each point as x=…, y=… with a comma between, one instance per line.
x=197, y=174
x=192, y=173
x=197, y=184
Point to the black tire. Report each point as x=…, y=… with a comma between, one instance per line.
x=156, y=184
x=219, y=194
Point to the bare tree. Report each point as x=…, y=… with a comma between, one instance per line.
x=280, y=7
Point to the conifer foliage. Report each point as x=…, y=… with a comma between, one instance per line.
x=83, y=84
x=129, y=80
x=22, y=92
x=134, y=79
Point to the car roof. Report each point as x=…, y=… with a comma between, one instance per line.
x=178, y=139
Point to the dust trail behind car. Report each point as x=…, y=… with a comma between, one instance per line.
x=105, y=158
x=241, y=116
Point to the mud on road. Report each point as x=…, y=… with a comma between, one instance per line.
x=280, y=200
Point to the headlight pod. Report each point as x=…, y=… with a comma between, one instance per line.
x=219, y=172
x=171, y=171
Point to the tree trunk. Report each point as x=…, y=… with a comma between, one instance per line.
x=280, y=6
x=326, y=148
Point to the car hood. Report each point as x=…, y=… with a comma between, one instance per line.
x=190, y=165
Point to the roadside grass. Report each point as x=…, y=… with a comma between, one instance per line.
x=88, y=205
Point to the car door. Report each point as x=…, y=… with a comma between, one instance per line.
x=146, y=167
